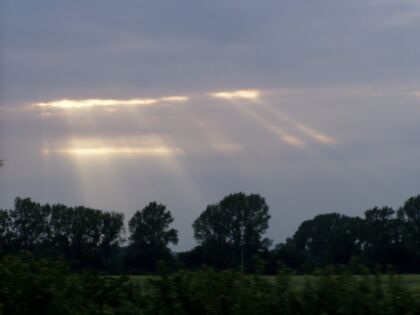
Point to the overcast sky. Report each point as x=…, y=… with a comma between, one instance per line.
x=315, y=105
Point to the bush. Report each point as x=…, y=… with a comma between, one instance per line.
x=38, y=286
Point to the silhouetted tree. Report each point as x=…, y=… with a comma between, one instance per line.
x=109, y=246
x=409, y=217
x=381, y=236
x=92, y=235
x=30, y=225
x=80, y=234
x=329, y=239
x=5, y=232
x=150, y=236
x=288, y=254
x=229, y=233
x=61, y=222
x=236, y=224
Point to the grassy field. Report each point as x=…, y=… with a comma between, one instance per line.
x=411, y=281
x=36, y=286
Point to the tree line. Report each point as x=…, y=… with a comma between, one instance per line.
x=230, y=234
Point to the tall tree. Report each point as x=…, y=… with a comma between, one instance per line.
x=409, y=218
x=61, y=223
x=85, y=235
x=238, y=223
x=381, y=236
x=329, y=239
x=112, y=227
x=92, y=235
x=288, y=254
x=150, y=236
x=30, y=224
x=5, y=231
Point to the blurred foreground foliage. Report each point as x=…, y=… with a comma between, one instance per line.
x=38, y=286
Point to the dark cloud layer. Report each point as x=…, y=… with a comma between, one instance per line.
x=52, y=49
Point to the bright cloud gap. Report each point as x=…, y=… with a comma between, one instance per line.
x=252, y=95
x=103, y=151
x=89, y=103
x=237, y=95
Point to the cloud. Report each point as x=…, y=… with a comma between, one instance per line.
x=416, y=94
x=399, y=13
x=252, y=95
x=292, y=140
x=88, y=103
x=105, y=151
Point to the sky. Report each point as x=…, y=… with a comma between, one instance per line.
x=314, y=105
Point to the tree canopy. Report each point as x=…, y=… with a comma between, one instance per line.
x=150, y=236
x=80, y=234
x=237, y=223
x=229, y=234
x=328, y=239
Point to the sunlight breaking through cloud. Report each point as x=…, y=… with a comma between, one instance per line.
x=285, y=136
x=292, y=140
x=95, y=151
x=254, y=96
x=308, y=131
x=316, y=135
x=88, y=103
x=174, y=99
x=238, y=94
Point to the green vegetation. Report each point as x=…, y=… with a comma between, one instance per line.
x=38, y=286
x=408, y=281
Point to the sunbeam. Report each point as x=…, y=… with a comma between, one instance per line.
x=99, y=161
x=95, y=151
x=136, y=135
x=284, y=135
x=255, y=97
x=139, y=146
x=309, y=131
x=218, y=141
